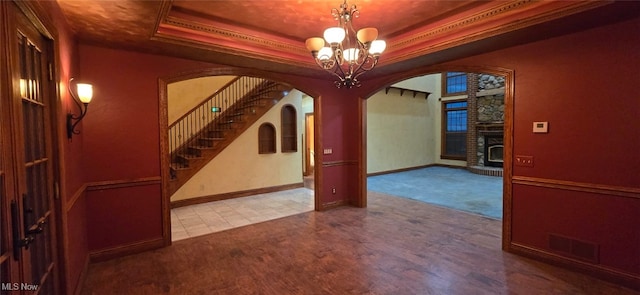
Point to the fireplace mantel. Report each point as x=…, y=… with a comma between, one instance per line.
x=490, y=127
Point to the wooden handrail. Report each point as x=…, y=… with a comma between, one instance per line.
x=190, y=129
x=205, y=100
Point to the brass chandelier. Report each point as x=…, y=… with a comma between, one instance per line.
x=348, y=54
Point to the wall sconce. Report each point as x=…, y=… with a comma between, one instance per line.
x=84, y=95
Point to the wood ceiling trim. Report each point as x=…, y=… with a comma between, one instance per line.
x=489, y=23
x=192, y=39
x=190, y=28
x=458, y=24
x=483, y=21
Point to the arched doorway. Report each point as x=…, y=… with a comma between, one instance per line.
x=507, y=132
x=227, y=104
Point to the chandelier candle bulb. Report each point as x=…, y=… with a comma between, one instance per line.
x=314, y=44
x=325, y=53
x=367, y=35
x=377, y=47
x=334, y=35
x=351, y=54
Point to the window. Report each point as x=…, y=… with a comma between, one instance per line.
x=454, y=130
x=266, y=139
x=288, y=133
x=454, y=83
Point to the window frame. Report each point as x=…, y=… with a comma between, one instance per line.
x=445, y=83
x=444, y=132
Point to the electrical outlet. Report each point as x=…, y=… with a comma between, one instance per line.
x=333, y=190
x=523, y=161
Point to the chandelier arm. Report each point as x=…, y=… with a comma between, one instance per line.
x=362, y=69
x=331, y=67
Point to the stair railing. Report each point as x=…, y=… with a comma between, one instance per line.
x=215, y=115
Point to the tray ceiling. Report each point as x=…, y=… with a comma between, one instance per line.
x=270, y=35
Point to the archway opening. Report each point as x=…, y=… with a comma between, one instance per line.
x=239, y=171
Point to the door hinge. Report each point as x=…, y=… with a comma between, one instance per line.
x=50, y=72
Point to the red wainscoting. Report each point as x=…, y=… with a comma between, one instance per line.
x=123, y=216
x=607, y=221
x=78, y=249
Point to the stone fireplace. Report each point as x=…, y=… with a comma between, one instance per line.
x=493, y=150
x=490, y=144
x=485, y=145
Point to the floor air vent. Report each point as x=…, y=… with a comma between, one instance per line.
x=574, y=248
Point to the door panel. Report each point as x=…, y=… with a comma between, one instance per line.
x=27, y=243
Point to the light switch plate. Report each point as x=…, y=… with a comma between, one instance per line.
x=540, y=127
x=523, y=161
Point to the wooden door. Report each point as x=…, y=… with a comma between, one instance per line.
x=309, y=147
x=28, y=236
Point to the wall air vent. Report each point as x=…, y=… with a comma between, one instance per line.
x=574, y=248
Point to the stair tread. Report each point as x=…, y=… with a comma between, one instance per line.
x=202, y=147
x=179, y=167
x=212, y=138
x=189, y=156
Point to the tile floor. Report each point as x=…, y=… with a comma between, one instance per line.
x=201, y=219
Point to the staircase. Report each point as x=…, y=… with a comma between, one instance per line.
x=205, y=131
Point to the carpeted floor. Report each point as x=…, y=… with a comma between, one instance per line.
x=448, y=187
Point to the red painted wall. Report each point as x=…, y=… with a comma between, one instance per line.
x=120, y=131
x=341, y=129
x=121, y=143
x=586, y=86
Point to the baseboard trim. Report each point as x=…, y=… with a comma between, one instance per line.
x=400, y=170
x=335, y=204
x=615, y=276
x=415, y=168
x=115, y=252
x=233, y=195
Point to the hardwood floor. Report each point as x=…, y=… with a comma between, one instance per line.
x=395, y=246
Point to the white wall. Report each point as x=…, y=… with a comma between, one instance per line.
x=182, y=96
x=398, y=128
x=403, y=131
x=239, y=167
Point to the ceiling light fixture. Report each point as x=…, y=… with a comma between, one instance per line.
x=348, y=54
